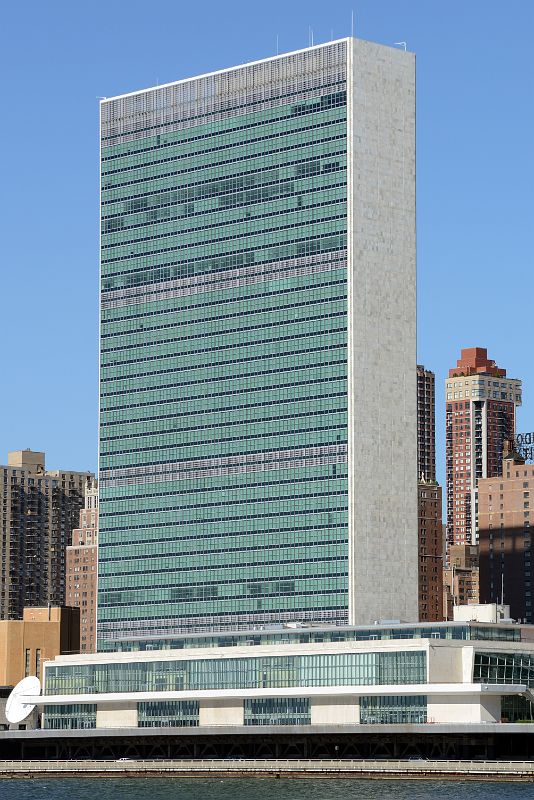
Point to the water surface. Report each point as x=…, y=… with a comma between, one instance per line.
x=258, y=789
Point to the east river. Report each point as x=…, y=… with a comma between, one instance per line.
x=258, y=789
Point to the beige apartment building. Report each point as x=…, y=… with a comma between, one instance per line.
x=82, y=569
x=41, y=635
x=460, y=578
x=505, y=519
x=39, y=509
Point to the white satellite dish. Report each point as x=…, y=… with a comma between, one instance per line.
x=22, y=699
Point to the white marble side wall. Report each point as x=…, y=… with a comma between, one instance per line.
x=383, y=534
x=446, y=664
x=463, y=708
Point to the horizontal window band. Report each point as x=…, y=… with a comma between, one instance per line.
x=113, y=165
x=216, y=378
x=182, y=361
x=119, y=127
x=202, y=187
x=181, y=120
x=275, y=233
x=107, y=416
x=260, y=160
x=336, y=106
x=233, y=460
x=139, y=548
x=273, y=315
x=153, y=231
x=205, y=263
x=120, y=508
x=229, y=279
x=155, y=399
x=260, y=420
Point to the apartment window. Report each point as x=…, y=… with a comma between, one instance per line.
x=38, y=662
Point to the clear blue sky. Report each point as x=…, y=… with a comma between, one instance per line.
x=475, y=177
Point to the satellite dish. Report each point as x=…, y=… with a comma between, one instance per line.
x=21, y=701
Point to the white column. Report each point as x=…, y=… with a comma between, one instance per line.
x=123, y=715
x=226, y=711
x=335, y=710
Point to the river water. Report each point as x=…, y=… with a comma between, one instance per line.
x=259, y=789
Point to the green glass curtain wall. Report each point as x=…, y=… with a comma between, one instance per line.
x=223, y=375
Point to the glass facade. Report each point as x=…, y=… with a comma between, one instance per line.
x=277, y=711
x=67, y=717
x=334, y=634
x=223, y=394
x=504, y=668
x=340, y=669
x=178, y=714
x=516, y=709
x=393, y=709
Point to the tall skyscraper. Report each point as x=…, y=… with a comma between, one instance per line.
x=82, y=569
x=257, y=345
x=39, y=510
x=426, y=424
x=480, y=417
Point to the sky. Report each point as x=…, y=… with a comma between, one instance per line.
x=475, y=178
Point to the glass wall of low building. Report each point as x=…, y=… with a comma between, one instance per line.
x=266, y=672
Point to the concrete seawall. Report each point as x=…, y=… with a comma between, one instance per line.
x=282, y=768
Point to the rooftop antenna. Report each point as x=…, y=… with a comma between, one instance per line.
x=277, y=53
x=352, y=22
x=401, y=44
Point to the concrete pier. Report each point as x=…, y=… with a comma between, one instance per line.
x=277, y=768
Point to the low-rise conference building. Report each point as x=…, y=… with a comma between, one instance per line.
x=313, y=676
